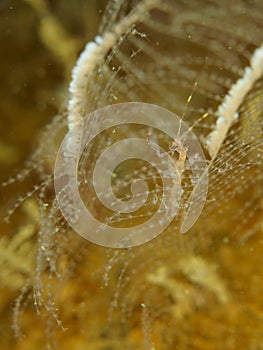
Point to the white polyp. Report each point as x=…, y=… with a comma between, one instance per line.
x=92, y=54
x=98, y=39
x=227, y=111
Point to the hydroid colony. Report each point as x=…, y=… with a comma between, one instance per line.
x=202, y=60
